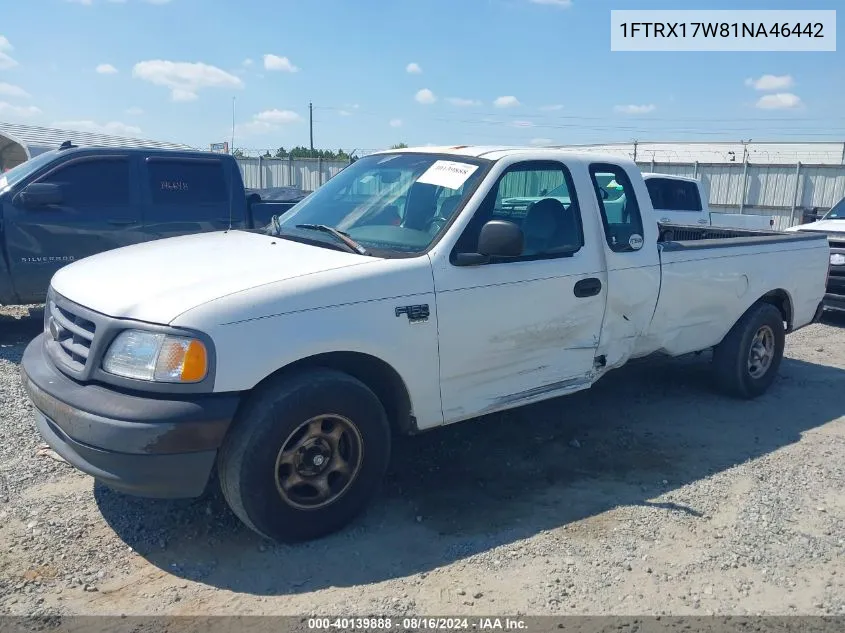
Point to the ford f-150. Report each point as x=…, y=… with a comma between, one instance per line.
x=401, y=296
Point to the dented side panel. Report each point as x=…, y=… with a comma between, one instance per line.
x=513, y=333
x=704, y=292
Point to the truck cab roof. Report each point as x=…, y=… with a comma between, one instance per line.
x=498, y=152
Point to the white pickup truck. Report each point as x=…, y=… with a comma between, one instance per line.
x=400, y=296
x=681, y=200
x=831, y=224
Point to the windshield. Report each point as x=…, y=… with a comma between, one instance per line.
x=837, y=211
x=16, y=174
x=388, y=202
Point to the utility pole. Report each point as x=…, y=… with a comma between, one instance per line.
x=311, y=125
x=635, y=150
x=232, y=146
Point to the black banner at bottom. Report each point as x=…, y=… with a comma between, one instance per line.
x=527, y=624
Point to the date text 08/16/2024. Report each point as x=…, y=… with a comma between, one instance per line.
x=417, y=624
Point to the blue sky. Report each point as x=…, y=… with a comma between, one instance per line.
x=491, y=71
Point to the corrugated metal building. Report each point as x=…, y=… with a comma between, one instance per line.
x=19, y=143
x=770, y=153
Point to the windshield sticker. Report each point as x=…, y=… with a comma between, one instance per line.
x=447, y=173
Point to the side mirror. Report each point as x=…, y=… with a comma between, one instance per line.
x=40, y=194
x=498, y=238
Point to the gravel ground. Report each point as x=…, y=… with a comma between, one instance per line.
x=648, y=494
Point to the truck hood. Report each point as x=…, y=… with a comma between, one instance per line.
x=158, y=280
x=821, y=226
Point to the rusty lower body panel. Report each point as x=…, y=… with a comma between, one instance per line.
x=144, y=444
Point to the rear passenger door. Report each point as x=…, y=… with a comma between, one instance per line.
x=97, y=212
x=676, y=201
x=188, y=195
x=633, y=266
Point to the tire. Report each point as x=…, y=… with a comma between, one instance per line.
x=340, y=470
x=736, y=372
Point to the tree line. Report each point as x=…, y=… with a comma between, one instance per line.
x=305, y=152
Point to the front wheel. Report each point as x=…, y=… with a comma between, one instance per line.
x=747, y=360
x=305, y=455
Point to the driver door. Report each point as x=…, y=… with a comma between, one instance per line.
x=519, y=330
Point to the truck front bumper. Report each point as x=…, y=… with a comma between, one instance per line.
x=148, y=445
x=834, y=301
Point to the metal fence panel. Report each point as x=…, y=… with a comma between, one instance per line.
x=302, y=173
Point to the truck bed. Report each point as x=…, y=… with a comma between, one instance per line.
x=708, y=275
x=686, y=237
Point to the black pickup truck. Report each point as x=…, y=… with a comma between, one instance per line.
x=74, y=202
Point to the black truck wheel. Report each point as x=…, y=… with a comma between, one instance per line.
x=746, y=362
x=305, y=455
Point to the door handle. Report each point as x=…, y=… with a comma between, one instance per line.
x=122, y=222
x=589, y=287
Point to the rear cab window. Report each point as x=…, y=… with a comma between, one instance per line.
x=674, y=195
x=620, y=212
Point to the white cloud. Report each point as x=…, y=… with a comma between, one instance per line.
x=636, y=109
x=552, y=108
x=247, y=62
x=157, y=1
x=283, y=64
x=184, y=79
x=18, y=111
x=344, y=113
x=522, y=124
x=267, y=121
x=540, y=141
x=134, y=111
x=6, y=60
x=425, y=96
x=506, y=102
x=779, y=101
x=458, y=101
x=770, y=82
x=87, y=3
x=8, y=90
x=413, y=68
x=564, y=4
x=395, y=122
x=277, y=117
x=106, y=69
x=112, y=127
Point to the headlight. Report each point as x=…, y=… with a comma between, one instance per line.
x=156, y=357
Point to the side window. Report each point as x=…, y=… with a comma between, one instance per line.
x=623, y=225
x=93, y=183
x=189, y=182
x=539, y=197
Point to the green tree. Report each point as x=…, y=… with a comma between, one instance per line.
x=399, y=146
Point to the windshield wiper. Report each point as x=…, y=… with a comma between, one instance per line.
x=343, y=237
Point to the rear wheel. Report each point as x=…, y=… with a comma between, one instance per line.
x=305, y=456
x=748, y=358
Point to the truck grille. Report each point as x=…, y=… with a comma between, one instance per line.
x=72, y=334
